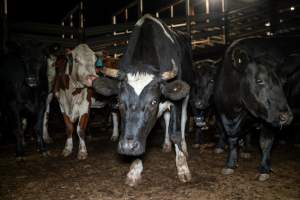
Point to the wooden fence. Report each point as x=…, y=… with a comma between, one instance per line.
x=208, y=29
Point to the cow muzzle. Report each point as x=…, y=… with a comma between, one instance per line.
x=130, y=147
x=31, y=81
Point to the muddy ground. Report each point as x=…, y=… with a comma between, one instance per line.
x=102, y=175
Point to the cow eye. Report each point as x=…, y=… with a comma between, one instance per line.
x=260, y=82
x=153, y=102
x=212, y=81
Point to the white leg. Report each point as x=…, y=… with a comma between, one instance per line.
x=115, y=134
x=183, y=124
x=82, y=152
x=134, y=176
x=24, y=126
x=46, y=136
x=68, y=147
x=183, y=171
x=167, y=147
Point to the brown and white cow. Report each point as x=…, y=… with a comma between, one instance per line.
x=73, y=95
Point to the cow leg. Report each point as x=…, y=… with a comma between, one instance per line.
x=115, y=134
x=167, y=146
x=69, y=142
x=266, y=141
x=39, y=130
x=183, y=124
x=183, y=171
x=24, y=126
x=46, y=136
x=19, y=133
x=221, y=144
x=81, y=127
x=134, y=176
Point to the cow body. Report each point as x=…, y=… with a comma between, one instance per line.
x=155, y=55
x=24, y=91
x=73, y=96
x=248, y=90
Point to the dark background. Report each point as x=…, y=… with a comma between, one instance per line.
x=97, y=12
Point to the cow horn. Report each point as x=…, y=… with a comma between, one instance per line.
x=170, y=74
x=114, y=73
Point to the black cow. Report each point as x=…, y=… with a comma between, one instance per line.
x=248, y=89
x=155, y=68
x=23, y=78
x=202, y=94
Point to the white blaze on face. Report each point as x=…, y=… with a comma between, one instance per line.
x=139, y=81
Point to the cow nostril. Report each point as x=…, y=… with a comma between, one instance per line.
x=199, y=104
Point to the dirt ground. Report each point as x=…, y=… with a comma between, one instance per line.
x=102, y=175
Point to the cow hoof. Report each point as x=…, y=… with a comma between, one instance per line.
x=82, y=155
x=167, y=147
x=66, y=152
x=297, y=145
x=245, y=155
x=114, y=138
x=48, y=140
x=263, y=177
x=219, y=150
x=134, y=176
x=196, y=146
x=46, y=154
x=185, y=177
x=227, y=171
x=20, y=159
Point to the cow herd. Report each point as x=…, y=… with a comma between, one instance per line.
x=254, y=84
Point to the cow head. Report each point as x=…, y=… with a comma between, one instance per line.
x=83, y=59
x=203, y=85
x=261, y=89
x=139, y=97
x=34, y=59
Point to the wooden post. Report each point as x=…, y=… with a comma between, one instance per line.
x=188, y=20
x=226, y=22
x=81, y=22
x=4, y=27
x=63, y=25
x=71, y=25
x=140, y=8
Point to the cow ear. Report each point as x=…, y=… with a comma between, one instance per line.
x=175, y=90
x=106, y=86
x=240, y=59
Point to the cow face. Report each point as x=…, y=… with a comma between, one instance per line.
x=83, y=64
x=203, y=85
x=35, y=64
x=138, y=103
x=139, y=97
x=262, y=92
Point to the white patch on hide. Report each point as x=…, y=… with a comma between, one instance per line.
x=139, y=81
x=46, y=136
x=115, y=134
x=183, y=123
x=147, y=16
x=68, y=147
x=163, y=107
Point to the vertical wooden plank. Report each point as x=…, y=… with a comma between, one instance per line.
x=187, y=13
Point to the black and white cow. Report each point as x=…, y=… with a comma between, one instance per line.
x=249, y=89
x=23, y=79
x=155, y=68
